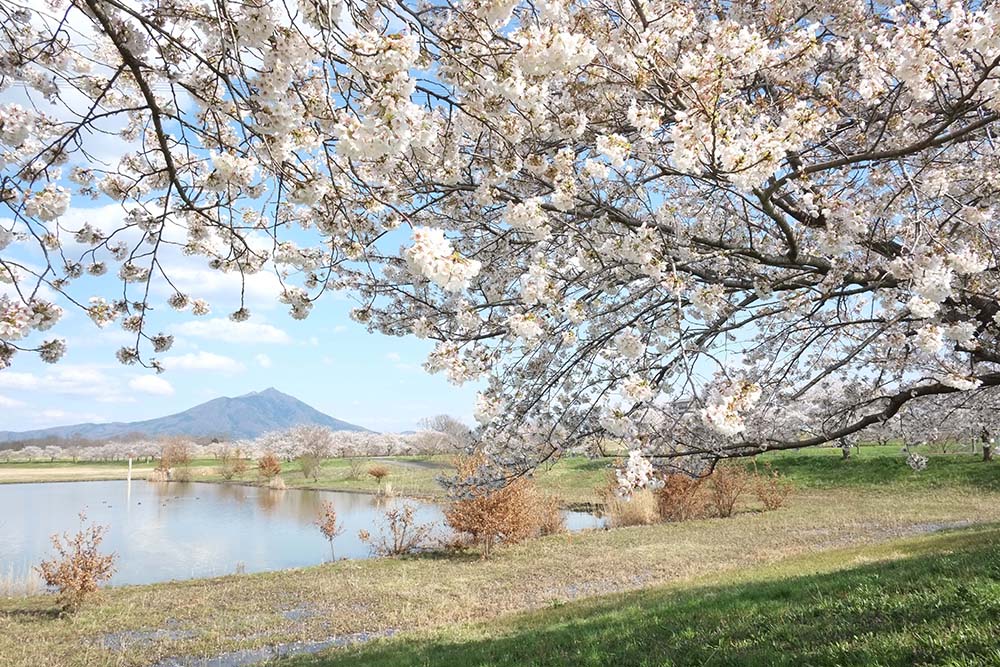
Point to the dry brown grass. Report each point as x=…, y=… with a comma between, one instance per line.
x=20, y=474
x=639, y=509
x=549, y=515
x=239, y=612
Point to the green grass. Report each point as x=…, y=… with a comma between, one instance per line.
x=883, y=466
x=935, y=601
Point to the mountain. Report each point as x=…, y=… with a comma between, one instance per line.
x=246, y=416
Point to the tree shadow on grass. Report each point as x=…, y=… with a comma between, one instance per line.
x=30, y=614
x=937, y=605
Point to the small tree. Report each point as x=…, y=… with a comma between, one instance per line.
x=355, y=467
x=78, y=568
x=269, y=466
x=328, y=525
x=310, y=465
x=174, y=452
x=379, y=472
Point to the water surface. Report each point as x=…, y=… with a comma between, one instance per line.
x=164, y=531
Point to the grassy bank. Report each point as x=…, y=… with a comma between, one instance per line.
x=209, y=617
x=933, y=600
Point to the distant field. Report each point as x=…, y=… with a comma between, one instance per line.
x=574, y=479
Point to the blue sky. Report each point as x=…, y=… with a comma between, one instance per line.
x=327, y=360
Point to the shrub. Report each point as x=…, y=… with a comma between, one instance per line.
x=181, y=474
x=78, y=568
x=400, y=535
x=173, y=453
x=771, y=489
x=232, y=463
x=491, y=516
x=682, y=498
x=276, y=483
x=328, y=525
x=379, y=472
x=355, y=466
x=268, y=466
x=639, y=509
x=728, y=484
x=310, y=464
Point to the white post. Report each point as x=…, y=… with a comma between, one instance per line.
x=130, y=469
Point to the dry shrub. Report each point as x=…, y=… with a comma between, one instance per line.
x=276, y=483
x=639, y=509
x=682, y=498
x=400, y=534
x=379, y=472
x=771, y=489
x=233, y=463
x=549, y=515
x=268, y=466
x=174, y=452
x=328, y=524
x=78, y=568
x=505, y=515
x=355, y=466
x=728, y=484
x=181, y=474
x=310, y=464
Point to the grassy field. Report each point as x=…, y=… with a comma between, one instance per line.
x=574, y=479
x=932, y=600
x=716, y=591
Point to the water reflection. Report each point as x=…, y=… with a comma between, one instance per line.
x=174, y=530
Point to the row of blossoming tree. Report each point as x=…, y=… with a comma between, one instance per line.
x=286, y=445
x=665, y=222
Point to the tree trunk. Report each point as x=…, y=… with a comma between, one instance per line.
x=987, y=451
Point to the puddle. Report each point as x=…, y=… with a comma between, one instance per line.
x=260, y=655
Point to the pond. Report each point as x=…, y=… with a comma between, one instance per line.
x=165, y=531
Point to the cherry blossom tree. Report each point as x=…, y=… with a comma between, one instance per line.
x=657, y=221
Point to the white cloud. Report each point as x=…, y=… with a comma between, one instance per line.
x=22, y=381
x=259, y=289
x=65, y=379
x=10, y=403
x=150, y=384
x=263, y=360
x=393, y=356
x=226, y=331
x=203, y=361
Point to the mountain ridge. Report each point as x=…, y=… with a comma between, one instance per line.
x=246, y=416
